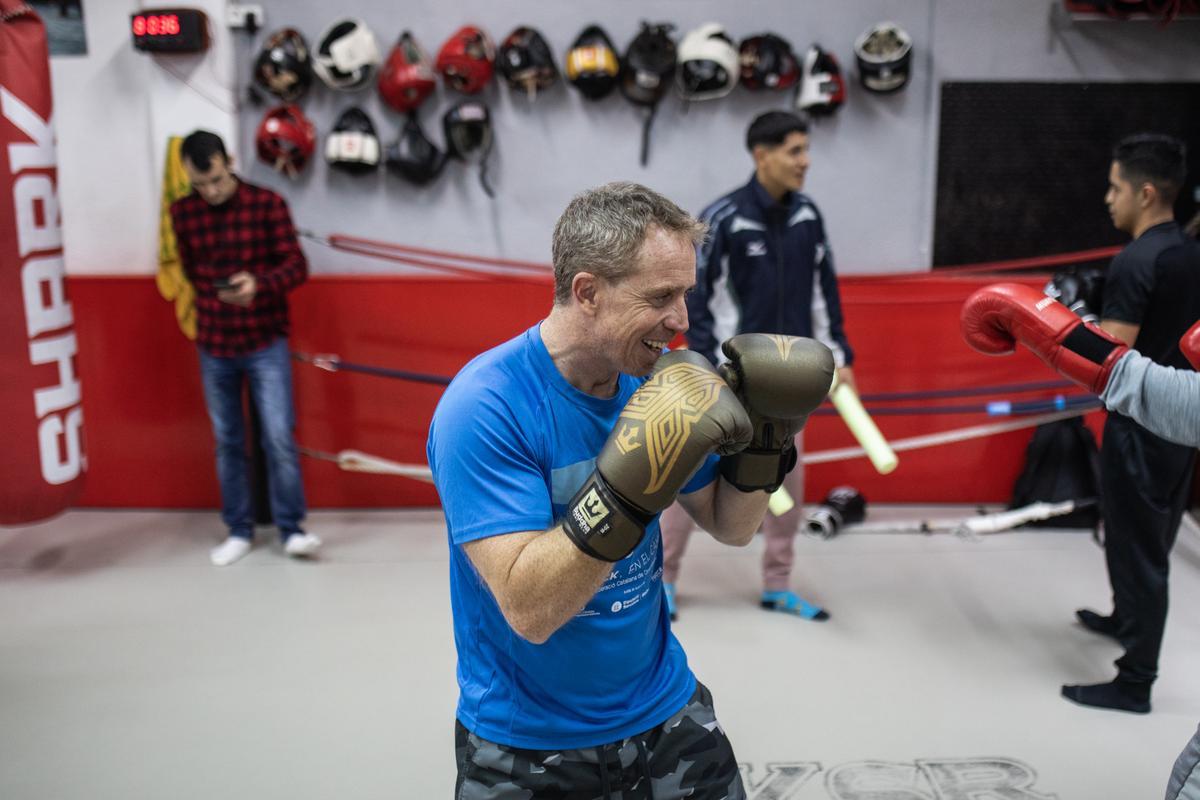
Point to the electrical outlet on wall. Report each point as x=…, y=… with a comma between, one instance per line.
x=244, y=15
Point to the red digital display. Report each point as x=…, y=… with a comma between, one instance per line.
x=169, y=30
x=156, y=25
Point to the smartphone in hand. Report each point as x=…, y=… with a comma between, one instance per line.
x=223, y=284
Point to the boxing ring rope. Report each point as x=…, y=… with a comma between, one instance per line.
x=1009, y=265
x=996, y=408
x=475, y=266
x=969, y=527
x=331, y=362
x=973, y=391
x=537, y=274
x=358, y=461
x=339, y=240
x=945, y=437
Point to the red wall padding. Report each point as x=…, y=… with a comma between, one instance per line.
x=149, y=444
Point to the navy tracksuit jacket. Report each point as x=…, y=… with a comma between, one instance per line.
x=766, y=268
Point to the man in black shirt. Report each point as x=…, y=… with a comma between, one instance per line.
x=1151, y=297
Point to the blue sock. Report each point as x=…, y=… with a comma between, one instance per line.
x=792, y=603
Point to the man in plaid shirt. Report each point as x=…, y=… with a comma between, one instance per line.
x=239, y=249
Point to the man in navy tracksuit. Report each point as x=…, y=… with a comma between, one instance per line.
x=765, y=268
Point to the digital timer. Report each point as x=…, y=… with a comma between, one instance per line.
x=169, y=30
x=156, y=25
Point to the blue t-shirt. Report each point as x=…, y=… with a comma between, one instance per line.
x=510, y=444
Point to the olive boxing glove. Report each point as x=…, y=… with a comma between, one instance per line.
x=671, y=424
x=780, y=380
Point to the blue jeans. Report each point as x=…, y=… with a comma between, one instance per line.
x=269, y=372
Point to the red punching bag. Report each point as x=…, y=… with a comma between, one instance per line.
x=42, y=462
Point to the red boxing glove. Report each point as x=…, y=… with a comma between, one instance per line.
x=996, y=317
x=1190, y=345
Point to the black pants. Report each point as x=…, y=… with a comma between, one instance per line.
x=1146, y=485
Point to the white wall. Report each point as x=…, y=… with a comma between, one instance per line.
x=114, y=110
x=874, y=164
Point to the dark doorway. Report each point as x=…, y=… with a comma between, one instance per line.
x=1023, y=167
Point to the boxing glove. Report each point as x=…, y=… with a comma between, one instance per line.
x=1069, y=289
x=844, y=505
x=780, y=380
x=995, y=317
x=670, y=425
x=1190, y=345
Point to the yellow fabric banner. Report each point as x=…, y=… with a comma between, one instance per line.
x=172, y=282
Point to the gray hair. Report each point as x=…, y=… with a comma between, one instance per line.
x=602, y=230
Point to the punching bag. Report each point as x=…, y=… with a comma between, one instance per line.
x=43, y=463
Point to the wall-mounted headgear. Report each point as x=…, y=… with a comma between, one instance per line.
x=353, y=146
x=407, y=78
x=285, y=139
x=283, y=66
x=648, y=65
x=412, y=156
x=467, y=60
x=884, y=56
x=708, y=63
x=768, y=63
x=347, y=55
x=592, y=63
x=646, y=73
x=526, y=61
x=468, y=131
x=822, y=89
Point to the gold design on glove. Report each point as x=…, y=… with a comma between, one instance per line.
x=667, y=406
x=627, y=439
x=783, y=344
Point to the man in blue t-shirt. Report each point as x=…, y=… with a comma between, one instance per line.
x=553, y=455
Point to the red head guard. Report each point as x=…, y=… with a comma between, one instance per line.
x=467, y=60
x=286, y=139
x=407, y=79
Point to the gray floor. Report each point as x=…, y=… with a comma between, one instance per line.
x=130, y=668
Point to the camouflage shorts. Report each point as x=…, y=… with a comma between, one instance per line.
x=687, y=756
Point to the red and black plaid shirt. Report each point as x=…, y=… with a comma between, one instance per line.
x=250, y=232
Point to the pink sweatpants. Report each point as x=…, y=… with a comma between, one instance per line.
x=779, y=533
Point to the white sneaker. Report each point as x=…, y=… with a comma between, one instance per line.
x=229, y=551
x=302, y=545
